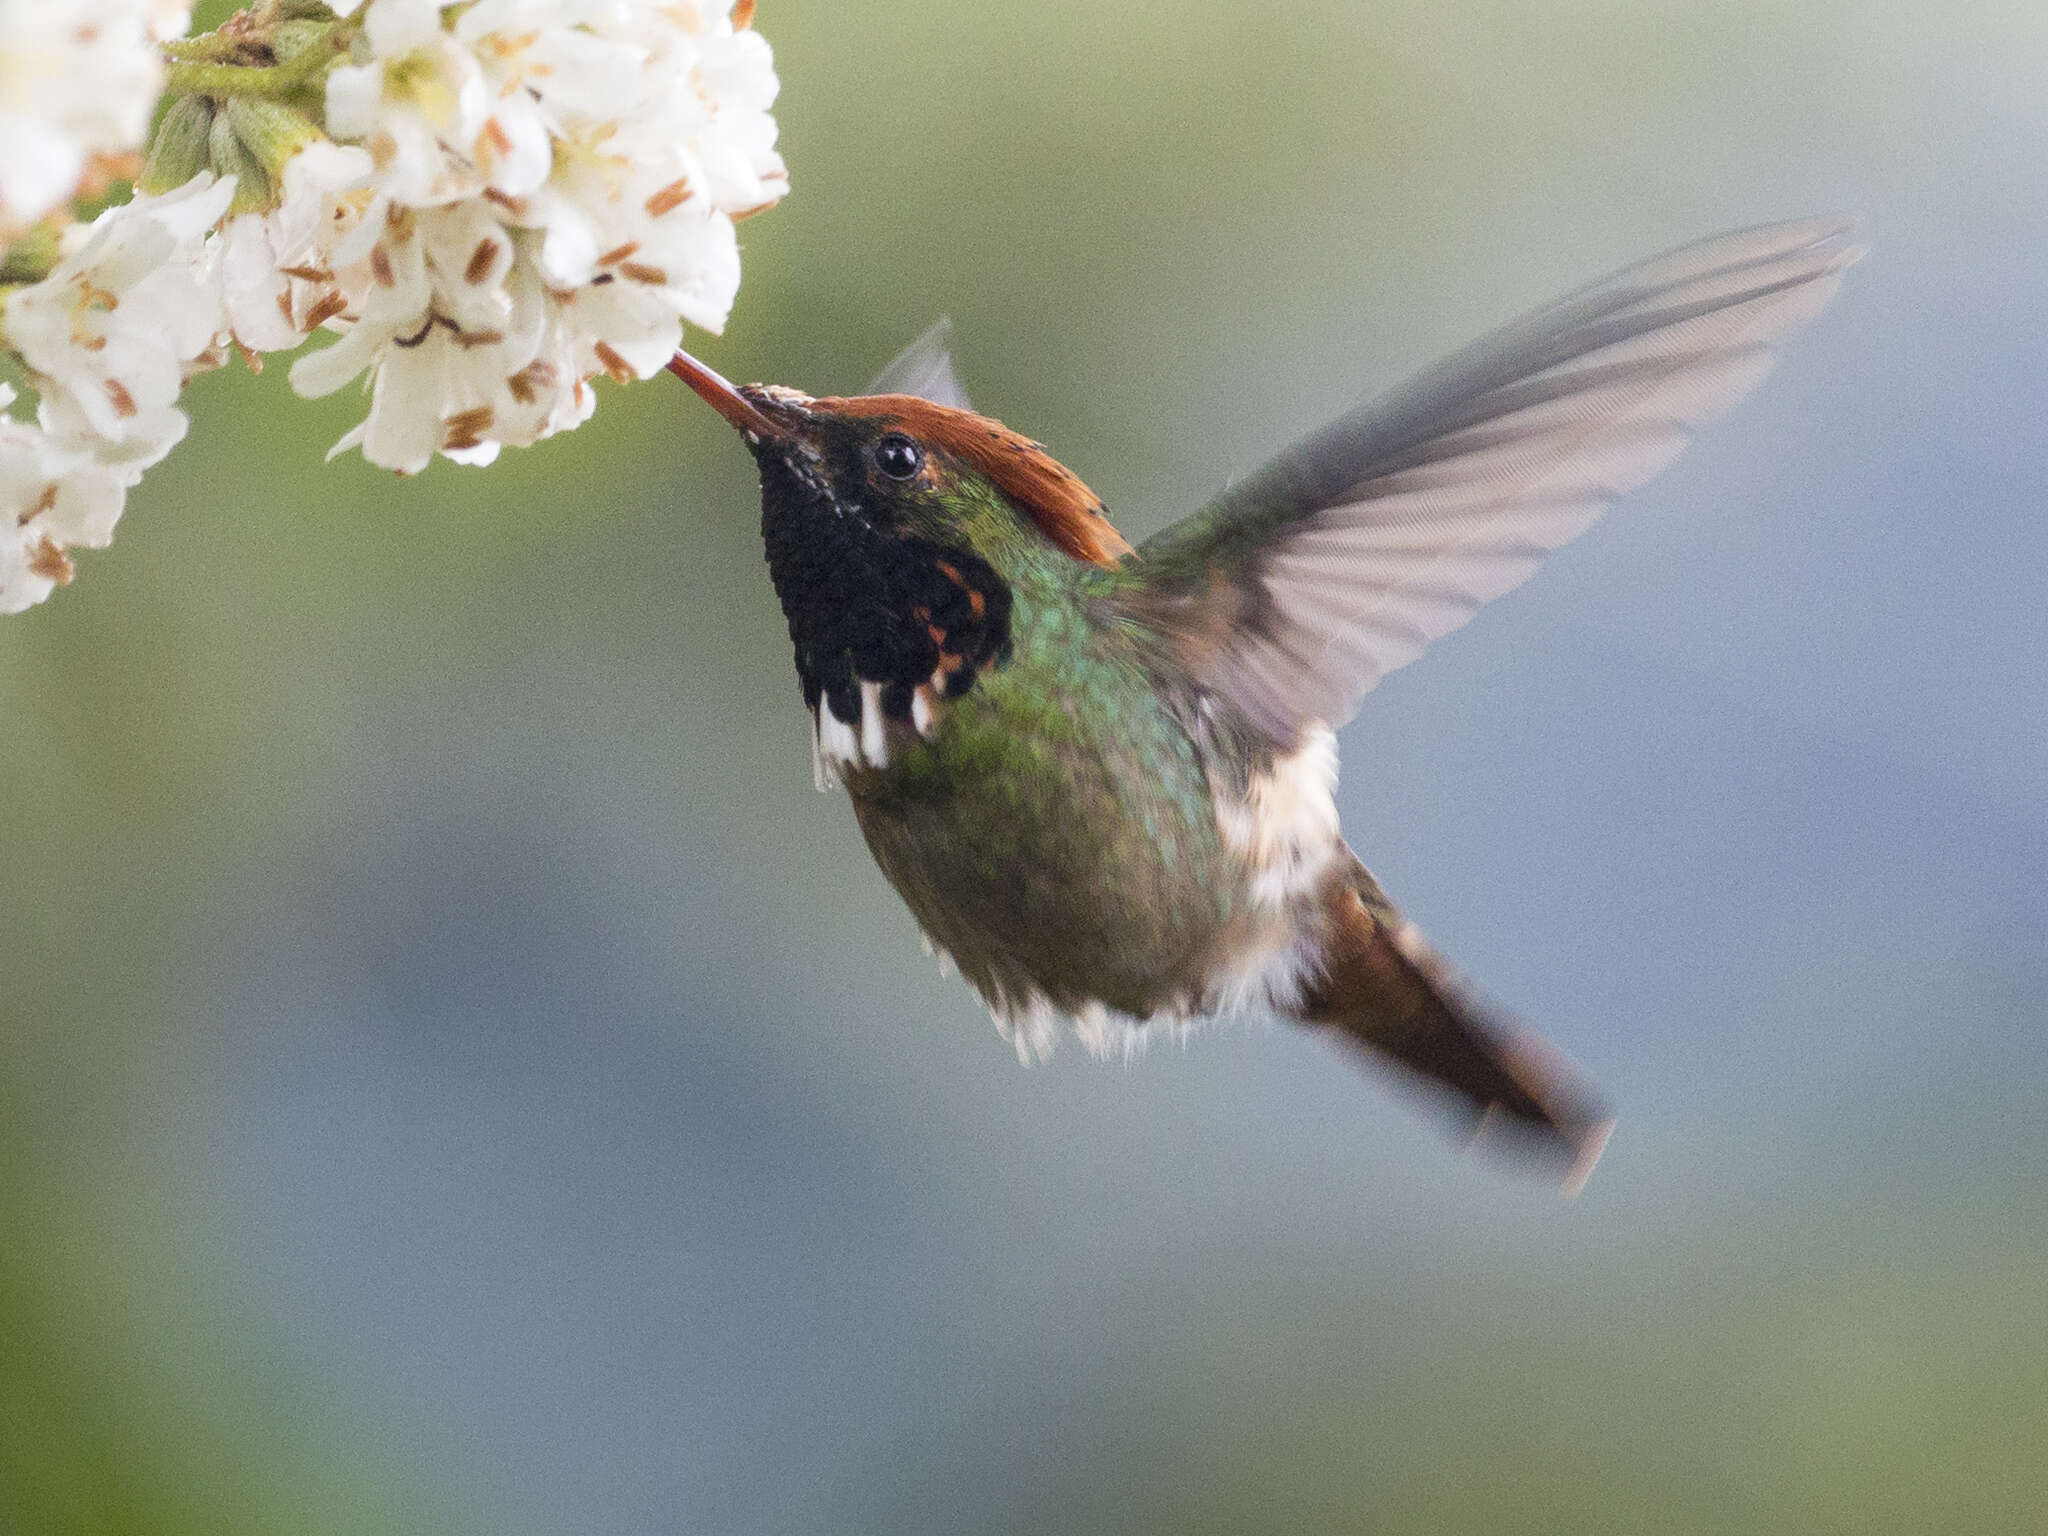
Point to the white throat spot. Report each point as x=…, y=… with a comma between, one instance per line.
x=838, y=744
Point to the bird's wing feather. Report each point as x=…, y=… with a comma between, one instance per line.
x=925, y=369
x=1295, y=591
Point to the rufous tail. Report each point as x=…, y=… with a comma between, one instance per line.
x=1381, y=987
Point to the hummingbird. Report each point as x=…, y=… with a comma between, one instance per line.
x=1103, y=777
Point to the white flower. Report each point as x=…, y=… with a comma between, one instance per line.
x=128, y=314
x=167, y=19
x=421, y=91
x=78, y=78
x=556, y=187
x=277, y=284
x=53, y=497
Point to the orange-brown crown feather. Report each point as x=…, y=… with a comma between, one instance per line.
x=1039, y=485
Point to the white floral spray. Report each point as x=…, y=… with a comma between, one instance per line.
x=487, y=205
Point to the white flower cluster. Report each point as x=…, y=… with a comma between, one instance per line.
x=77, y=81
x=554, y=193
x=109, y=338
x=506, y=199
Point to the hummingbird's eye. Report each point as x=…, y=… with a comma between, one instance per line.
x=898, y=457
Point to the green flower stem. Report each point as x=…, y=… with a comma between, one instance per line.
x=200, y=77
x=208, y=46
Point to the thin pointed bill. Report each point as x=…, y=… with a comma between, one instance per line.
x=720, y=394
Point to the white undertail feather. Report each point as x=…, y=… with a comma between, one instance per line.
x=943, y=957
x=1105, y=1033
x=1094, y=1029
x=1270, y=974
x=1033, y=1027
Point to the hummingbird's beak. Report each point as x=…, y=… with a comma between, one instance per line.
x=720, y=394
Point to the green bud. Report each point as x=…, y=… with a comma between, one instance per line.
x=293, y=38
x=270, y=131
x=179, y=152
x=30, y=258
x=231, y=158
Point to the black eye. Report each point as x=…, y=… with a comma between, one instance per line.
x=898, y=457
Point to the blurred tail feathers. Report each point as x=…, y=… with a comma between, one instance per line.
x=1382, y=987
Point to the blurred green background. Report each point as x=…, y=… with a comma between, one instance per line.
x=455, y=1075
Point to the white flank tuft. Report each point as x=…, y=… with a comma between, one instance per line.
x=1285, y=824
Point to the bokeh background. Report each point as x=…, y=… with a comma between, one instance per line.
x=456, y=1076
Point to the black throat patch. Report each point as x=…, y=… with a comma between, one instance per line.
x=867, y=603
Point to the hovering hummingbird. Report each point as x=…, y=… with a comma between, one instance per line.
x=1102, y=777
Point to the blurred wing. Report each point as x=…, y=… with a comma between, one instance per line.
x=925, y=369
x=1295, y=591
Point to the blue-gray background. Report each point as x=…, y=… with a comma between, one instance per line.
x=458, y=1076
